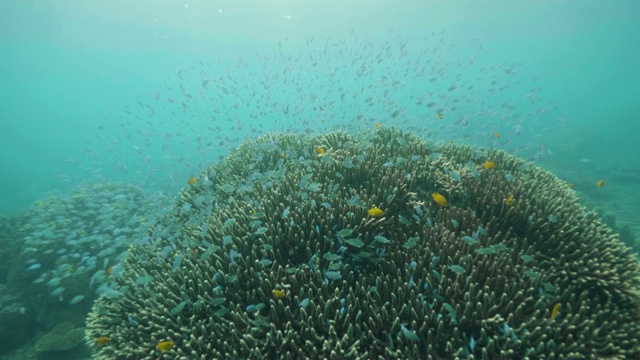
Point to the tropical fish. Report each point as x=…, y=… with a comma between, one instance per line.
x=489, y=165
x=178, y=308
x=486, y=251
x=165, y=345
x=304, y=303
x=261, y=230
x=555, y=311
x=331, y=256
x=34, y=266
x=228, y=222
x=411, y=242
x=600, y=183
x=280, y=294
x=469, y=240
x=177, y=261
x=345, y=232
x=76, y=299
x=509, y=200
x=408, y=334
x=375, y=212
x=436, y=275
x=108, y=271
x=319, y=150
x=218, y=301
x=332, y=275
x=192, y=181
x=381, y=239
x=457, y=269
x=143, y=280
x=102, y=340
x=452, y=311
x=497, y=135
x=440, y=199
x=355, y=242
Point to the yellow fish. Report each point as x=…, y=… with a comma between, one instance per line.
x=280, y=294
x=109, y=270
x=378, y=125
x=165, y=345
x=600, y=183
x=489, y=165
x=283, y=155
x=192, y=181
x=570, y=185
x=102, y=341
x=509, y=201
x=497, y=135
x=440, y=116
x=555, y=311
x=319, y=150
x=375, y=212
x=440, y=199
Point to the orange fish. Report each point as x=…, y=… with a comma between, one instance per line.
x=375, y=212
x=600, y=183
x=489, y=165
x=280, y=294
x=555, y=311
x=497, y=135
x=165, y=345
x=192, y=181
x=102, y=341
x=378, y=125
x=109, y=270
x=440, y=199
x=509, y=201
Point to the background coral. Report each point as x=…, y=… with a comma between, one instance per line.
x=64, y=341
x=16, y=320
x=68, y=242
x=274, y=254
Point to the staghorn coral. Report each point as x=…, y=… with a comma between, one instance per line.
x=477, y=279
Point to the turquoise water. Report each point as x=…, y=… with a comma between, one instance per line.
x=149, y=93
x=67, y=68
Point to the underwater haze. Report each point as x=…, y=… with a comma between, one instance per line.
x=111, y=112
x=70, y=71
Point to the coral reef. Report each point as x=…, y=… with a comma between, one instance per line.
x=65, y=341
x=69, y=242
x=337, y=247
x=9, y=244
x=16, y=320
